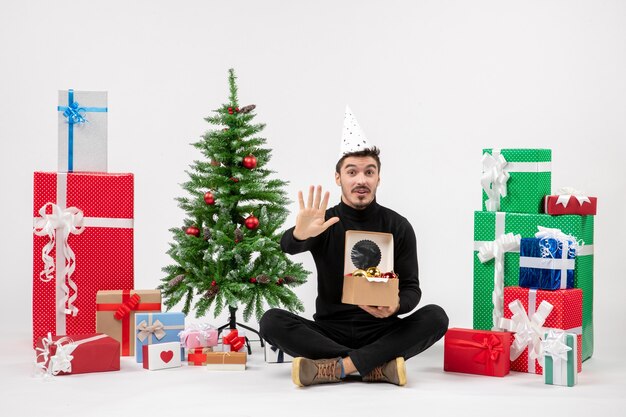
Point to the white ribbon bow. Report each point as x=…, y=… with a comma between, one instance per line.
x=496, y=250
x=61, y=361
x=494, y=179
x=67, y=221
x=528, y=331
x=554, y=345
x=156, y=328
x=566, y=242
x=566, y=193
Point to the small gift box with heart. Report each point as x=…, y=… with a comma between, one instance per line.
x=161, y=356
x=480, y=352
x=368, y=270
x=151, y=328
x=77, y=354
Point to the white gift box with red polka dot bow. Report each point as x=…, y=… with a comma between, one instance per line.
x=82, y=243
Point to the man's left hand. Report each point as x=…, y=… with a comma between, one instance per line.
x=381, y=311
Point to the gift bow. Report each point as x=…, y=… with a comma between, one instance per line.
x=528, y=330
x=125, y=308
x=202, y=332
x=61, y=361
x=566, y=193
x=74, y=113
x=566, y=242
x=494, y=179
x=496, y=250
x=554, y=345
x=157, y=329
x=490, y=348
x=67, y=221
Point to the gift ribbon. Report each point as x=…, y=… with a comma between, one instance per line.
x=494, y=178
x=489, y=350
x=281, y=356
x=198, y=356
x=566, y=193
x=224, y=355
x=496, y=250
x=74, y=114
x=72, y=220
x=65, y=222
x=527, y=327
x=158, y=329
x=61, y=361
x=125, y=319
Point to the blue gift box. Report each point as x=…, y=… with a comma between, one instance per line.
x=154, y=328
x=544, y=265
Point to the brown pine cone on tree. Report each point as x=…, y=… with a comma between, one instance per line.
x=289, y=279
x=248, y=108
x=211, y=292
x=206, y=233
x=176, y=280
x=263, y=279
x=238, y=235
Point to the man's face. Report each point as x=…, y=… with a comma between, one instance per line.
x=358, y=179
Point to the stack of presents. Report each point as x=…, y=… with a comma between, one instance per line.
x=86, y=312
x=533, y=274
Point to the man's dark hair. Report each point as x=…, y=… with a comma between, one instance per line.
x=373, y=152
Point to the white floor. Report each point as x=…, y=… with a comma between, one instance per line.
x=266, y=390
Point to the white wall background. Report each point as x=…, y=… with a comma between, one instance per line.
x=431, y=82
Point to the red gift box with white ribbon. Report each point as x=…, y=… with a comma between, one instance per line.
x=77, y=354
x=570, y=201
x=82, y=243
x=529, y=313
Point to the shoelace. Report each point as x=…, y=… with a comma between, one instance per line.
x=377, y=374
x=327, y=370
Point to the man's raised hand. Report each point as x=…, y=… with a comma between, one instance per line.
x=310, y=221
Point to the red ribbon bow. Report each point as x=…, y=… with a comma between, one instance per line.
x=490, y=349
x=126, y=307
x=235, y=341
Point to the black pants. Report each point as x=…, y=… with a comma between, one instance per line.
x=368, y=342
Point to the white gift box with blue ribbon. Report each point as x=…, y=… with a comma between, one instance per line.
x=82, y=131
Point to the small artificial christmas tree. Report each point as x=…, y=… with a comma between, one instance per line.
x=228, y=251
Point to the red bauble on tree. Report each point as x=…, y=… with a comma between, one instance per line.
x=209, y=198
x=249, y=162
x=280, y=281
x=192, y=231
x=253, y=280
x=251, y=222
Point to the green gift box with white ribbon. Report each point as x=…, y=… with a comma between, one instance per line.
x=516, y=180
x=496, y=241
x=559, y=358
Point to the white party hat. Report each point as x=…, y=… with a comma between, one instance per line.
x=352, y=138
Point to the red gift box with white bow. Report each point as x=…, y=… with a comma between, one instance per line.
x=77, y=354
x=530, y=313
x=570, y=201
x=82, y=243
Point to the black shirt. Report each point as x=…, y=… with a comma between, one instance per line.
x=328, y=253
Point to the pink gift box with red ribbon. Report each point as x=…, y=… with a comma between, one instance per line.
x=82, y=243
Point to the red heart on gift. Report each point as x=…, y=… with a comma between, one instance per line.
x=167, y=356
